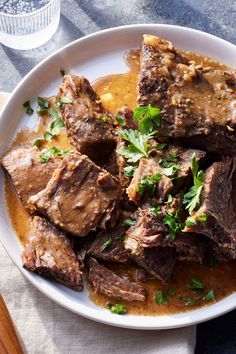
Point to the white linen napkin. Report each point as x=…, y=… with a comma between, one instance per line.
x=47, y=328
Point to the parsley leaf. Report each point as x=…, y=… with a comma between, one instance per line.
x=196, y=285
x=37, y=142
x=128, y=222
x=154, y=209
x=169, y=199
x=191, y=221
x=188, y=300
x=169, y=169
x=64, y=100
x=129, y=171
x=121, y=238
x=29, y=110
x=161, y=147
x=210, y=296
x=173, y=222
x=170, y=292
x=148, y=184
x=106, y=245
x=160, y=298
x=137, y=147
x=120, y=120
x=43, y=105
x=119, y=309
x=192, y=197
x=147, y=116
x=47, y=154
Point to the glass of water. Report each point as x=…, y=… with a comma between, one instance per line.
x=28, y=24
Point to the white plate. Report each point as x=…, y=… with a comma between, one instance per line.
x=94, y=56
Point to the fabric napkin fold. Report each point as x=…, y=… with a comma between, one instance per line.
x=47, y=328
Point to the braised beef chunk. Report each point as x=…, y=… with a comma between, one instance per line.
x=27, y=173
x=87, y=132
x=195, y=101
x=79, y=197
x=152, y=247
x=49, y=253
x=219, y=207
x=164, y=173
x=105, y=281
x=109, y=245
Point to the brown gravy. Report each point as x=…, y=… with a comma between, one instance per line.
x=115, y=91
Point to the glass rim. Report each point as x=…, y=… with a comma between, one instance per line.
x=28, y=14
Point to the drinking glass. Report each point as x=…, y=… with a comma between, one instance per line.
x=28, y=24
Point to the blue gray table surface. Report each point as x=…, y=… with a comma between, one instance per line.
x=81, y=17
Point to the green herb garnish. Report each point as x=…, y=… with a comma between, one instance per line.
x=148, y=184
x=120, y=120
x=147, y=116
x=47, y=154
x=43, y=105
x=196, y=285
x=173, y=222
x=154, y=209
x=121, y=238
x=28, y=109
x=106, y=245
x=169, y=199
x=105, y=118
x=160, y=298
x=188, y=300
x=192, y=197
x=128, y=222
x=37, y=142
x=119, y=309
x=169, y=169
x=129, y=171
x=170, y=292
x=161, y=147
x=210, y=296
x=138, y=145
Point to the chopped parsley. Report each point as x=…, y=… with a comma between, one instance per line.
x=47, y=154
x=106, y=245
x=128, y=222
x=38, y=142
x=173, y=155
x=119, y=309
x=170, y=292
x=64, y=100
x=192, y=197
x=160, y=298
x=148, y=184
x=210, y=296
x=121, y=238
x=129, y=171
x=188, y=300
x=43, y=105
x=161, y=147
x=138, y=144
x=28, y=109
x=173, y=222
x=191, y=221
x=154, y=209
x=105, y=118
x=169, y=199
x=147, y=116
x=169, y=169
x=196, y=285
x=120, y=121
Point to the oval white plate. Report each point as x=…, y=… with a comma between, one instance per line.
x=94, y=56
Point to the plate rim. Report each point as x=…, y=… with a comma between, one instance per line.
x=104, y=316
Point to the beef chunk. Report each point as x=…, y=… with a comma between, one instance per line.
x=219, y=206
x=196, y=102
x=27, y=173
x=114, y=251
x=164, y=163
x=112, y=285
x=49, y=253
x=127, y=115
x=79, y=197
x=152, y=248
x=87, y=132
